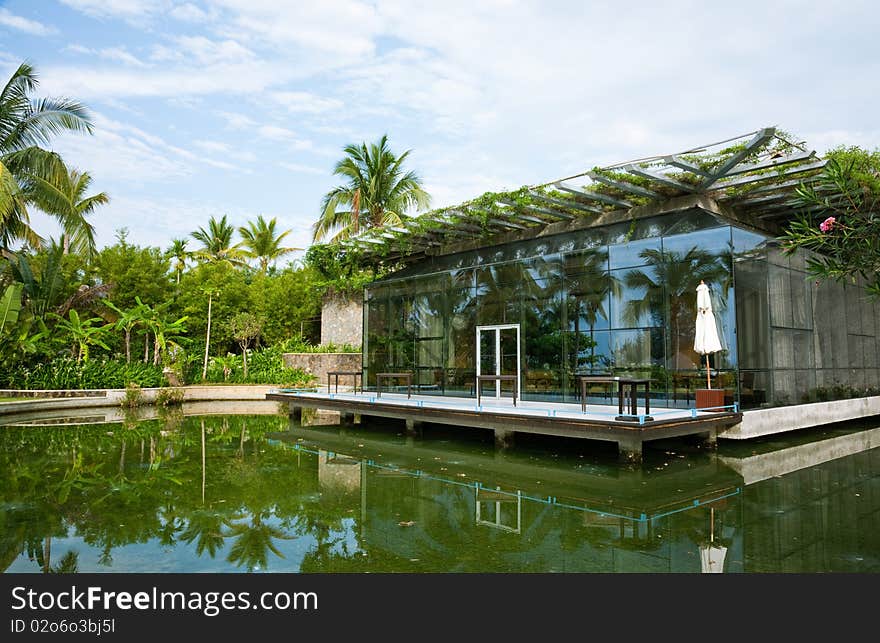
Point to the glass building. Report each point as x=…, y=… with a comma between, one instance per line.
x=612, y=290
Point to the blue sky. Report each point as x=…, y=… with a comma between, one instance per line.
x=242, y=107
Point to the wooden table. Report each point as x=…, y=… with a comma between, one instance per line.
x=336, y=374
x=631, y=396
x=393, y=376
x=498, y=378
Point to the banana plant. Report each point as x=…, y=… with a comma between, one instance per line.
x=84, y=333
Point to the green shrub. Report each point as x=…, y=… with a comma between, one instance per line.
x=297, y=345
x=134, y=397
x=169, y=397
x=67, y=373
x=265, y=366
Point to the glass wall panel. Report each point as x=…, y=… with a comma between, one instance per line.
x=629, y=307
x=634, y=253
x=637, y=298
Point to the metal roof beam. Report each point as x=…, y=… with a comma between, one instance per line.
x=570, y=204
x=624, y=186
x=744, y=180
x=557, y=216
x=660, y=178
x=592, y=196
x=680, y=163
x=770, y=162
x=733, y=160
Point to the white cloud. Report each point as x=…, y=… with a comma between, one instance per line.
x=189, y=12
x=344, y=29
x=284, y=135
x=306, y=102
x=304, y=169
x=237, y=121
x=205, y=51
x=32, y=27
x=125, y=9
x=118, y=54
x=218, y=147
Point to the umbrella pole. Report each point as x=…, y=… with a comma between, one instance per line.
x=708, y=381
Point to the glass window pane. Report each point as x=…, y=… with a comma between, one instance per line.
x=634, y=253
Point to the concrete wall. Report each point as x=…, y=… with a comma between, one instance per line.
x=318, y=364
x=760, y=422
x=51, y=400
x=342, y=319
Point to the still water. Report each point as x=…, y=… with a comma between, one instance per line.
x=262, y=493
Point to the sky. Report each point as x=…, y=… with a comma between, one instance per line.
x=242, y=107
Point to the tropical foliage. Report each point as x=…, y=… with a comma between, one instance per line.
x=30, y=174
x=840, y=219
x=377, y=191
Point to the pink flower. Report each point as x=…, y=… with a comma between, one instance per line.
x=827, y=224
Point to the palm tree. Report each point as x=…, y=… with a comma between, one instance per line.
x=217, y=243
x=25, y=125
x=180, y=254
x=377, y=192
x=675, y=280
x=261, y=242
x=63, y=197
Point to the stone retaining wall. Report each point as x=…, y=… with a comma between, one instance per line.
x=342, y=319
x=318, y=364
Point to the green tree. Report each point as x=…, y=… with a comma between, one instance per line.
x=217, y=243
x=261, y=241
x=245, y=328
x=286, y=302
x=133, y=272
x=839, y=219
x=179, y=254
x=377, y=191
x=63, y=196
x=26, y=124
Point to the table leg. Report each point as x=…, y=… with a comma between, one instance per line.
x=328, y=383
x=647, y=400
x=583, y=396
x=378, y=386
x=620, y=398
x=634, y=399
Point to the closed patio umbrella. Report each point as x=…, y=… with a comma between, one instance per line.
x=706, y=336
x=711, y=555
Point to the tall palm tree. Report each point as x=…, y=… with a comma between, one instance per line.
x=377, y=192
x=180, y=254
x=672, y=281
x=25, y=125
x=262, y=242
x=62, y=196
x=217, y=243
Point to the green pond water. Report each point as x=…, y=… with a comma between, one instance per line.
x=263, y=493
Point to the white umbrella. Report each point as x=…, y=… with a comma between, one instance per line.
x=712, y=556
x=706, y=336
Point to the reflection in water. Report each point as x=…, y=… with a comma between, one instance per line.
x=247, y=493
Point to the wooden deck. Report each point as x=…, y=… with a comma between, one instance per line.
x=546, y=418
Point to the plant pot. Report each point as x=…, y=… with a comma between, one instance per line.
x=709, y=398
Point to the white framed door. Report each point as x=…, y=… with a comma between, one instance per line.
x=498, y=353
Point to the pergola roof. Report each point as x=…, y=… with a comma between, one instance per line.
x=754, y=176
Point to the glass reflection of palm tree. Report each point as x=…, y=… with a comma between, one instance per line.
x=590, y=293
x=674, y=281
